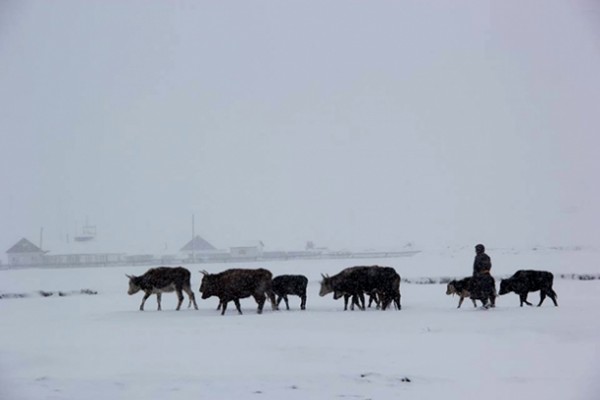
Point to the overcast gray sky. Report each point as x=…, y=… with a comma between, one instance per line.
x=350, y=123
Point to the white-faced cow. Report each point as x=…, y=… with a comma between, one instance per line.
x=461, y=288
x=525, y=281
x=236, y=284
x=160, y=280
x=283, y=285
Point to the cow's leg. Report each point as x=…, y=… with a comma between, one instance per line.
x=223, y=304
x=460, y=301
x=552, y=295
x=523, y=297
x=398, y=297
x=384, y=301
x=354, y=301
x=346, y=297
x=158, y=299
x=260, y=299
x=389, y=300
x=378, y=300
x=474, y=303
x=269, y=293
x=542, y=297
x=191, y=296
x=374, y=298
x=485, y=303
x=179, y=299
x=287, y=305
x=237, y=305
x=303, y=301
x=220, y=305
x=279, y=298
x=146, y=295
x=361, y=298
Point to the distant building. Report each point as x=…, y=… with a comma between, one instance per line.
x=82, y=252
x=83, y=259
x=311, y=249
x=140, y=259
x=198, y=248
x=253, y=249
x=25, y=253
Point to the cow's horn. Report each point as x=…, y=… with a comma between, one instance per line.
x=204, y=272
x=129, y=276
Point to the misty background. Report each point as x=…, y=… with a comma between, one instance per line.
x=349, y=123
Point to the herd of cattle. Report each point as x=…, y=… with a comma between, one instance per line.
x=381, y=284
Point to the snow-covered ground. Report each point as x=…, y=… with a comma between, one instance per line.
x=101, y=347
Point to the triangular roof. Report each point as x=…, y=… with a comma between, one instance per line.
x=197, y=244
x=24, y=246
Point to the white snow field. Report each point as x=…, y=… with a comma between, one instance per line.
x=101, y=347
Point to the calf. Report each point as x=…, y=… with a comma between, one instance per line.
x=525, y=281
x=290, y=284
x=160, y=280
x=236, y=284
x=461, y=288
x=386, y=285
